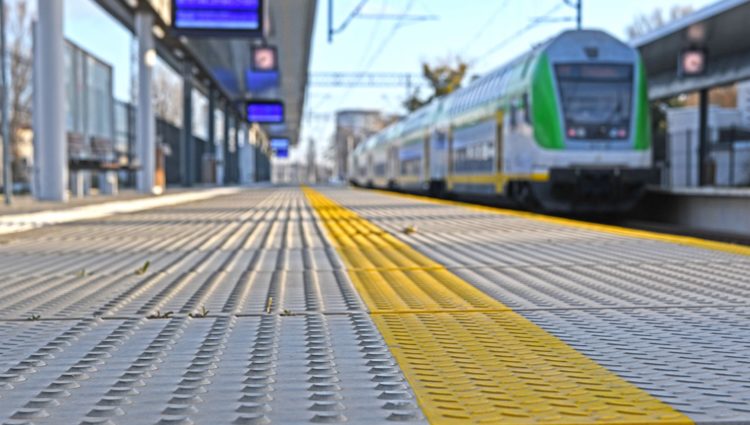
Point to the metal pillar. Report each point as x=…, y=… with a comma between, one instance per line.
x=187, y=152
x=243, y=165
x=145, y=122
x=7, y=163
x=212, y=125
x=236, y=154
x=703, y=138
x=50, y=116
x=225, y=142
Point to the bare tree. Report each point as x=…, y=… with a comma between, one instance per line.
x=444, y=77
x=649, y=22
x=167, y=92
x=19, y=21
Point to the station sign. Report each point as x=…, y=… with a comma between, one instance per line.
x=279, y=143
x=265, y=59
x=280, y=147
x=218, y=17
x=281, y=153
x=692, y=62
x=265, y=112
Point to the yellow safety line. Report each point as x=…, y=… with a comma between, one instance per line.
x=468, y=357
x=616, y=230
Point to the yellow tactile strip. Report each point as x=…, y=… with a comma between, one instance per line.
x=605, y=228
x=468, y=358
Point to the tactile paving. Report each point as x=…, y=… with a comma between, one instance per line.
x=487, y=365
x=670, y=318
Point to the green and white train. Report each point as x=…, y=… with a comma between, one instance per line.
x=563, y=128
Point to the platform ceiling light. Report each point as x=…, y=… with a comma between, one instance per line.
x=696, y=33
x=158, y=32
x=265, y=111
x=243, y=18
x=149, y=58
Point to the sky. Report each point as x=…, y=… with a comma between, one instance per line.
x=470, y=29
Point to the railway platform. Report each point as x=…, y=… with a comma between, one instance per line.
x=333, y=305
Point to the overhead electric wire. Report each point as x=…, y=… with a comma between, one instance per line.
x=531, y=25
x=357, y=9
x=483, y=29
x=371, y=38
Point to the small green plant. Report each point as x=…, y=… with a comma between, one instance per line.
x=200, y=314
x=34, y=317
x=286, y=313
x=143, y=269
x=160, y=315
x=410, y=229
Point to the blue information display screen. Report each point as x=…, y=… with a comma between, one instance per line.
x=265, y=112
x=279, y=143
x=217, y=15
x=282, y=153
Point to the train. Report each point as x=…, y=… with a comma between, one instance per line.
x=563, y=128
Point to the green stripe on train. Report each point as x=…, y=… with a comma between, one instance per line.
x=545, y=111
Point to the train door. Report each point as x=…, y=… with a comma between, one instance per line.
x=425, y=171
x=437, y=155
x=392, y=166
x=499, y=116
x=370, y=172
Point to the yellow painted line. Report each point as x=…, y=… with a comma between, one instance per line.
x=606, y=228
x=468, y=357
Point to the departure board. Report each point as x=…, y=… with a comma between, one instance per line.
x=218, y=16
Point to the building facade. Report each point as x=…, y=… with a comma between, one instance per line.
x=353, y=127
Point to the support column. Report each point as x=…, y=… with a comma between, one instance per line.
x=212, y=128
x=227, y=154
x=242, y=164
x=187, y=152
x=50, y=116
x=236, y=156
x=145, y=122
x=703, y=139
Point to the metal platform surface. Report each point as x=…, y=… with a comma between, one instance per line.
x=320, y=308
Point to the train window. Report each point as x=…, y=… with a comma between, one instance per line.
x=513, y=121
x=526, y=109
x=596, y=100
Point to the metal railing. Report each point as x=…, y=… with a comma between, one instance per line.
x=726, y=163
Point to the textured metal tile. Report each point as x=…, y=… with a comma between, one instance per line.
x=694, y=359
x=267, y=369
x=230, y=254
x=671, y=319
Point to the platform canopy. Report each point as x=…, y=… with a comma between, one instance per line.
x=225, y=62
x=721, y=30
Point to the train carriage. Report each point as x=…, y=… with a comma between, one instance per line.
x=563, y=128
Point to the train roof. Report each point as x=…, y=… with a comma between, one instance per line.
x=483, y=90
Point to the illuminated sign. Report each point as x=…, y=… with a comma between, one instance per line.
x=264, y=59
x=265, y=112
x=692, y=62
x=281, y=153
x=279, y=143
x=218, y=16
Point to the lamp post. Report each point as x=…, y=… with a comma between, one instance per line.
x=7, y=172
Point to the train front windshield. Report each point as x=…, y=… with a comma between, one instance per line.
x=596, y=100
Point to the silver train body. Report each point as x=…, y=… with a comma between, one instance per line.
x=563, y=128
